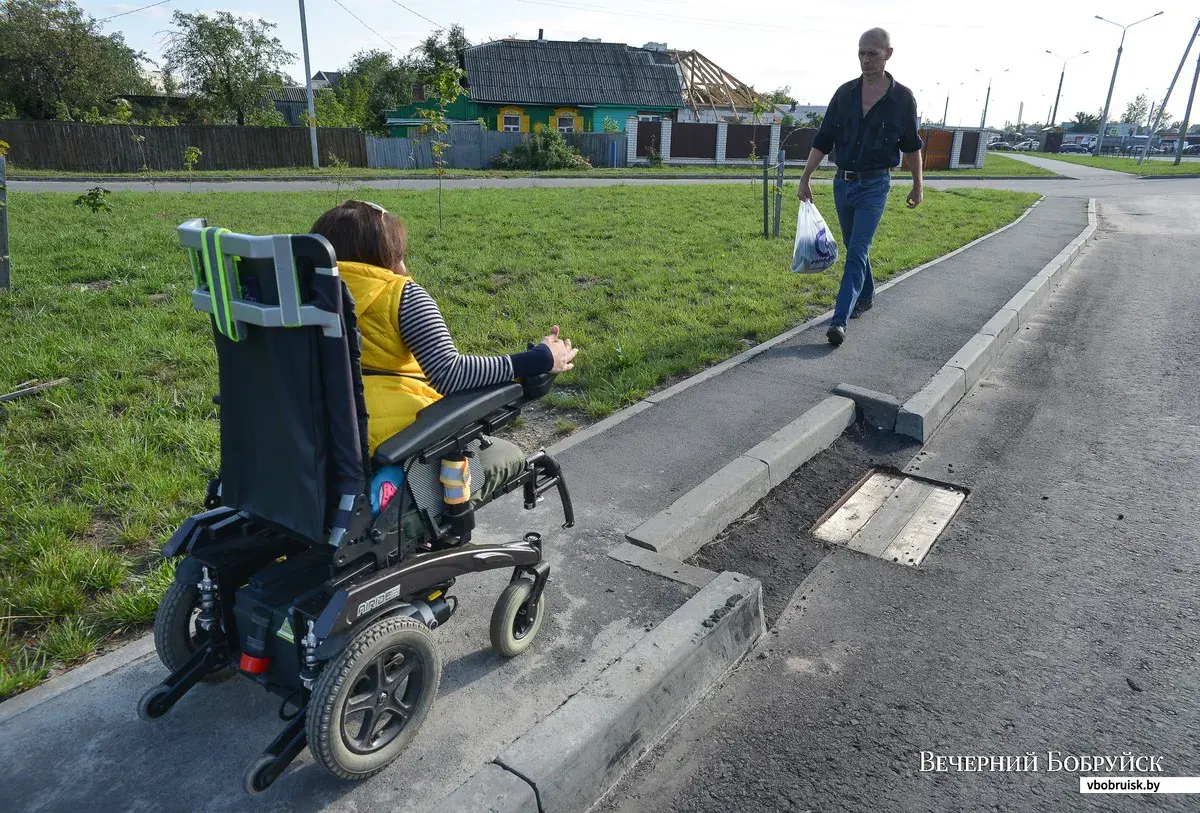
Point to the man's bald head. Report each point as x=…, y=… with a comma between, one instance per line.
x=874, y=51
x=877, y=37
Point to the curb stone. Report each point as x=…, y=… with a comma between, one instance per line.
x=577, y=754
x=876, y=408
x=921, y=414
x=695, y=519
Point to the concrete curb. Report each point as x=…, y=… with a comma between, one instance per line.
x=104, y=665
x=572, y=758
x=923, y=413
x=695, y=519
x=876, y=408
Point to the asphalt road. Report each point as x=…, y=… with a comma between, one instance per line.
x=1059, y=611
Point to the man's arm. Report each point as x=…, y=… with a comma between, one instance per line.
x=815, y=157
x=910, y=145
x=823, y=143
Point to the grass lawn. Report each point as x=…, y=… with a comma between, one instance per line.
x=994, y=165
x=1150, y=167
x=651, y=283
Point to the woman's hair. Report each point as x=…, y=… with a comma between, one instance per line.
x=364, y=232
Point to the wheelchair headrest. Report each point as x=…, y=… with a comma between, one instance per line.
x=227, y=270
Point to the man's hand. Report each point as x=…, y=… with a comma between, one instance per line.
x=564, y=354
x=804, y=192
x=915, y=196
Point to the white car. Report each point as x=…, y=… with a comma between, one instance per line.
x=1028, y=145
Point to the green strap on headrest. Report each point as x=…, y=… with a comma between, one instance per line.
x=220, y=281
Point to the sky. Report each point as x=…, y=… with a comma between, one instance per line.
x=943, y=50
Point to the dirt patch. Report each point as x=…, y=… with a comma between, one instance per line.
x=542, y=425
x=103, y=533
x=772, y=542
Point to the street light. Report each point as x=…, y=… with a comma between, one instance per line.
x=946, y=112
x=988, y=98
x=1112, y=83
x=1054, y=116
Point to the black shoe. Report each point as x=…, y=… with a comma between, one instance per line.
x=836, y=335
x=860, y=308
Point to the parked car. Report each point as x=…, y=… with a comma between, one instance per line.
x=1027, y=145
x=1077, y=149
x=1000, y=145
x=1192, y=149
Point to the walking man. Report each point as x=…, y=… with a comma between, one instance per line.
x=870, y=121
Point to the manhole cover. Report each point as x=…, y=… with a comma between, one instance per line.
x=890, y=516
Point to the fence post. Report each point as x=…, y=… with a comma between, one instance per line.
x=665, y=137
x=766, y=183
x=5, y=267
x=779, y=191
x=631, y=134
x=722, y=141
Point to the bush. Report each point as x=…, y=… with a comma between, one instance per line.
x=542, y=151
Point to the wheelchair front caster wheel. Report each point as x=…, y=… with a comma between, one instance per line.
x=370, y=700
x=513, y=628
x=260, y=775
x=152, y=705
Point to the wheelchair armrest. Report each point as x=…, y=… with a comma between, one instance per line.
x=443, y=418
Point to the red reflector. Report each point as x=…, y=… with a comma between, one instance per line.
x=253, y=665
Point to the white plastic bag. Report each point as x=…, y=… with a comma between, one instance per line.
x=815, y=247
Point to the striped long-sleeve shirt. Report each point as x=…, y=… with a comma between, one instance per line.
x=424, y=331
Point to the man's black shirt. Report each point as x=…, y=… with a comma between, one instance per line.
x=875, y=142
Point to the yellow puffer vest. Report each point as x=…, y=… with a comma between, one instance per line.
x=392, y=400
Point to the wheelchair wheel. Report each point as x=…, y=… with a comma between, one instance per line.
x=513, y=629
x=177, y=633
x=370, y=701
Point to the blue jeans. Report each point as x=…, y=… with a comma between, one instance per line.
x=859, y=207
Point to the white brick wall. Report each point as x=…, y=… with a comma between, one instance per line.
x=722, y=140
x=954, y=148
x=774, y=148
x=665, y=147
x=631, y=132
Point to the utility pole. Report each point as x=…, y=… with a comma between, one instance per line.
x=1183, y=128
x=986, y=99
x=1158, y=121
x=1020, y=114
x=1054, y=116
x=312, y=111
x=1112, y=83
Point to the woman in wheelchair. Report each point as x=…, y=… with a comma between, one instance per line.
x=409, y=359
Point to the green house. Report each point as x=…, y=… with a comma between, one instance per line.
x=524, y=86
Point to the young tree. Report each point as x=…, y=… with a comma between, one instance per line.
x=229, y=64
x=446, y=86
x=814, y=120
x=1135, y=111
x=55, y=61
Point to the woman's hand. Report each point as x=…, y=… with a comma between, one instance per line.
x=563, y=352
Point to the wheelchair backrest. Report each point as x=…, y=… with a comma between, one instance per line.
x=293, y=421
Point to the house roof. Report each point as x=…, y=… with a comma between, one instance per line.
x=577, y=73
x=292, y=94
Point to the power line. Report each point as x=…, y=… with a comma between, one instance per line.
x=419, y=14
x=372, y=30
x=132, y=11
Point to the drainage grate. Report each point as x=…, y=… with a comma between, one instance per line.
x=890, y=516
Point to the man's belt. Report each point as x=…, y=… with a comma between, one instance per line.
x=851, y=175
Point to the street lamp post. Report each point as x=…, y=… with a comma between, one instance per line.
x=312, y=113
x=1112, y=83
x=946, y=111
x=1054, y=116
x=988, y=97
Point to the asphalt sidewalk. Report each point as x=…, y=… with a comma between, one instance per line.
x=599, y=608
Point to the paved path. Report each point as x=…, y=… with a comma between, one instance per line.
x=1069, y=169
x=599, y=607
x=1058, y=612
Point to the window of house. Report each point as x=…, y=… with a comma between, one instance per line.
x=418, y=92
x=649, y=117
x=512, y=124
x=566, y=124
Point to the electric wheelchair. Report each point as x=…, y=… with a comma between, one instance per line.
x=295, y=576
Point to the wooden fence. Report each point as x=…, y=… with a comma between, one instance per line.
x=601, y=149
x=691, y=140
x=470, y=147
x=67, y=146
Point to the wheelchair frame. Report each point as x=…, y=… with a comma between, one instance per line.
x=367, y=573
